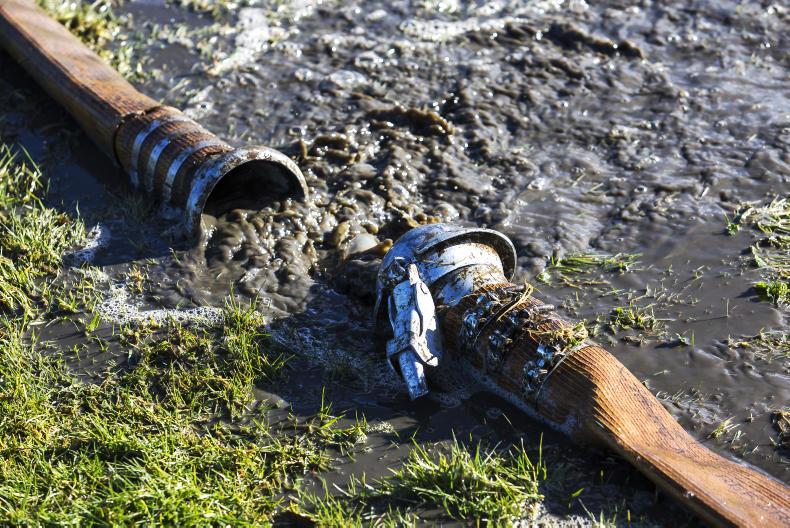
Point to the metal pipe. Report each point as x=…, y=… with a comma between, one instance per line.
x=523, y=350
x=162, y=151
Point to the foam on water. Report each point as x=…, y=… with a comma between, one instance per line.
x=98, y=237
x=119, y=307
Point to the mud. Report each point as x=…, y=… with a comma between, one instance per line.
x=571, y=128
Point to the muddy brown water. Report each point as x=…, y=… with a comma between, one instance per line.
x=571, y=128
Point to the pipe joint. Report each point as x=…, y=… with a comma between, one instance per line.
x=437, y=263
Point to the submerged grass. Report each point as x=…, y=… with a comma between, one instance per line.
x=209, y=371
x=775, y=291
x=633, y=317
x=766, y=345
x=770, y=253
x=570, y=269
x=781, y=421
x=724, y=427
x=218, y=9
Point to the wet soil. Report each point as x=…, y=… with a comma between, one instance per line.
x=571, y=128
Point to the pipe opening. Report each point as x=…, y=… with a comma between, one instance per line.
x=253, y=185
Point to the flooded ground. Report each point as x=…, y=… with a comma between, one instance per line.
x=575, y=129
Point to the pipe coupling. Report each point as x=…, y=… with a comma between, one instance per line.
x=432, y=265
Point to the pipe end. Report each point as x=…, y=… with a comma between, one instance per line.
x=244, y=177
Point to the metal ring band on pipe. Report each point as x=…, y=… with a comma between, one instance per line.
x=205, y=174
x=140, y=139
x=175, y=165
x=435, y=264
x=220, y=164
x=153, y=159
x=584, y=344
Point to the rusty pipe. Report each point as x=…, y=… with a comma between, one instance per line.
x=162, y=152
x=523, y=350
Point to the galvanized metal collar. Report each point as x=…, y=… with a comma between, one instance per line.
x=416, y=262
x=270, y=166
x=438, y=250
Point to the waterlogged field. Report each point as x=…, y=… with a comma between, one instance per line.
x=638, y=156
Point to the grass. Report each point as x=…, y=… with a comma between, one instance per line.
x=633, y=322
x=775, y=291
x=466, y=482
x=33, y=238
x=606, y=520
x=766, y=345
x=218, y=9
x=781, y=421
x=144, y=445
x=469, y=483
x=75, y=453
x=562, y=339
x=633, y=317
x=728, y=433
x=569, y=269
x=20, y=183
x=724, y=427
x=95, y=24
x=770, y=253
x=209, y=371
x=136, y=279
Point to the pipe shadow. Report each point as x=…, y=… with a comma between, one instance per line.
x=81, y=180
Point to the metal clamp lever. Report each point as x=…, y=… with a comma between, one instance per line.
x=416, y=338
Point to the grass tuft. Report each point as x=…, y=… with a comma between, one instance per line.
x=217, y=9
x=722, y=428
x=210, y=371
x=776, y=291
x=33, y=238
x=563, y=338
x=781, y=421
x=569, y=269
x=633, y=317
x=771, y=251
x=469, y=483
x=767, y=345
